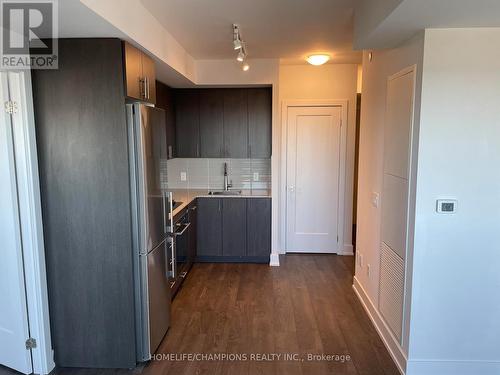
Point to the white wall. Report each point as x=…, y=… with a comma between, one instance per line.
x=335, y=82
x=455, y=325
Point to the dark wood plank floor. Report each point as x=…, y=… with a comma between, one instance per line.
x=306, y=306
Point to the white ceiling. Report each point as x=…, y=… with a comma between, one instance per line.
x=386, y=23
x=285, y=29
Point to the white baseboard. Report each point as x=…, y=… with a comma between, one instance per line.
x=275, y=260
x=452, y=367
x=347, y=250
x=383, y=330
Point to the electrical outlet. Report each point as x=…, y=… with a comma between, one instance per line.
x=183, y=176
x=256, y=176
x=375, y=199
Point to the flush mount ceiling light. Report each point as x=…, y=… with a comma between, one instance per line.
x=319, y=59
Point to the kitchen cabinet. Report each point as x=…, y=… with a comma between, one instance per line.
x=140, y=82
x=211, y=123
x=258, y=227
x=234, y=230
x=224, y=123
x=165, y=101
x=259, y=123
x=85, y=190
x=234, y=226
x=187, y=123
x=235, y=123
x=209, y=239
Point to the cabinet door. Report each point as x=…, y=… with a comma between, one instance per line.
x=165, y=101
x=258, y=227
x=234, y=226
x=211, y=123
x=259, y=123
x=187, y=124
x=235, y=123
x=133, y=72
x=209, y=241
x=149, y=74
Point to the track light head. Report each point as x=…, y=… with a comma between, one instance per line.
x=241, y=55
x=245, y=67
x=237, y=43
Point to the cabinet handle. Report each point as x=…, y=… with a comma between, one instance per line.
x=142, y=88
x=146, y=89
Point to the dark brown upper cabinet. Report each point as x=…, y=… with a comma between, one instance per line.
x=224, y=123
x=165, y=101
x=140, y=82
x=211, y=123
x=259, y=123
x=187, y=123
x=235, y=123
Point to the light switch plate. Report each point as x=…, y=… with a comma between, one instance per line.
x=183, y=176
x=256, y=176
x=375, y=199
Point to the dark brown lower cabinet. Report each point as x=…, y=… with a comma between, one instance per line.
x=234, y=226
x=258, y=227
x=234, y=230
x=209, y=239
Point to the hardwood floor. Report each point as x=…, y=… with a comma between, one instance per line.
x=306, y=306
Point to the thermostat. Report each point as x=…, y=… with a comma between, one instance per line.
x=446, y=206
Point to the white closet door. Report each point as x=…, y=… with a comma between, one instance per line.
x=14, y=329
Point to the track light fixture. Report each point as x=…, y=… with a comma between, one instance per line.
x=239, y=44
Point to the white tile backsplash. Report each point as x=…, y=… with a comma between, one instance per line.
x=209, y=173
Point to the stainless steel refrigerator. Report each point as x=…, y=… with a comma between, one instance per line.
x=151, y=213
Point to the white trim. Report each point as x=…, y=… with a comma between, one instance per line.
x=275, y=260
x=348, y=250
x=452, y=367
x=344, y=105
x=31, y=222
x=385, y=333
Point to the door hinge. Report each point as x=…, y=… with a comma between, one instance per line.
x=337, y=239
x=11, y=107
x=30, y=343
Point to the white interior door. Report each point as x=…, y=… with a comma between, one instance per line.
x=313, y=175
x=14, y=329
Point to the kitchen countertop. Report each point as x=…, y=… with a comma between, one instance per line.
x=186, y=196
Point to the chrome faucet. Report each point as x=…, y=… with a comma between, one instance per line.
x=227, y=184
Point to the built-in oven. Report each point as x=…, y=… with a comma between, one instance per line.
x=178, y=247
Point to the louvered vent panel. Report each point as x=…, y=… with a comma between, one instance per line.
x=391, y=289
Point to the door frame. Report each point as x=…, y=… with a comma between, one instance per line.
x=30, y=211
x=344, y=107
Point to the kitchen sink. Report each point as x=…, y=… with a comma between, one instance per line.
x=225, y=192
